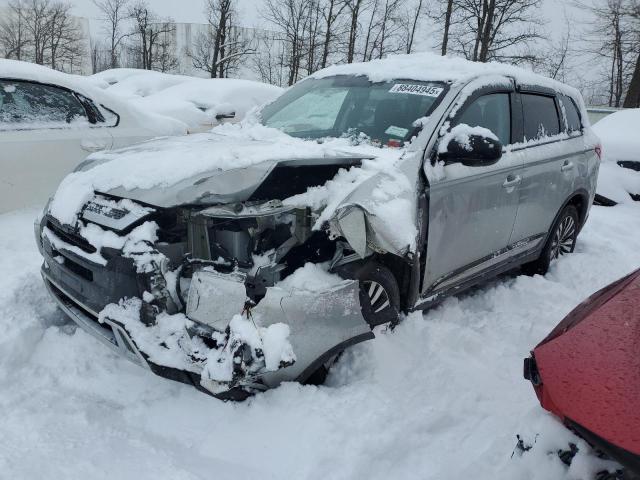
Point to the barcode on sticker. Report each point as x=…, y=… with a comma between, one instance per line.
x=412, y=89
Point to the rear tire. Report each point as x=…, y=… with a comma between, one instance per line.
x=561, y=241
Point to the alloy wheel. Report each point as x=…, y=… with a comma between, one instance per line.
x=564, y=238
x=378, y=296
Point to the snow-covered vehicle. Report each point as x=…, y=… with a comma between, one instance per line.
x=51, y=121
x=586, y=371
x=201, y=103
x=256, y=253
x=619, y=177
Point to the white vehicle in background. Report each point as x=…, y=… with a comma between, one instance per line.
x=51, y=121
x=619, y=178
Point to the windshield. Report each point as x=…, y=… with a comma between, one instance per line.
x=350, y=106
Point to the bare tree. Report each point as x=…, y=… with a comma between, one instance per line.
x=292, y=19
x=632, y=100
x=354, y=8
x=609, y=37
x=37, y=26
x=155, y=38
x=269, y=62
x=114, y=14
x=65, y=37
x=331, y=12
x=447, y=26
x=13, y=37
x=409, y=22
x=220, y=48
x=495, y=29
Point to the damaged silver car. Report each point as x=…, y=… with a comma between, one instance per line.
x=255, y=254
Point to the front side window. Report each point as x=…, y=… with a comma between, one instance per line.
x=491, y=111
x=540, y=116
x=345, y=105
x=26, y=105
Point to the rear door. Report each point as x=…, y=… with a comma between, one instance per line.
x=45, y=131
x=552, y=158
x=472, y=210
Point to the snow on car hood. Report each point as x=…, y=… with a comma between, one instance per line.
x=225, y=165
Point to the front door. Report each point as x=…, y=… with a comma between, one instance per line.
x=472, y=209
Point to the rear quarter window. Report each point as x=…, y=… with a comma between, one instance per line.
x=574, y=124
x=541, y=118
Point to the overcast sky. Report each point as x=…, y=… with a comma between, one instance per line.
x=192, y=11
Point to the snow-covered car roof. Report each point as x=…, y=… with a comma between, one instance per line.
x=430, y=67
x=194, y=101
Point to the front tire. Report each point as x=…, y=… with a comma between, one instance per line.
x=561, y=241
x=379, y=292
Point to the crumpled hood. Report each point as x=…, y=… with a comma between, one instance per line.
x=227, y=165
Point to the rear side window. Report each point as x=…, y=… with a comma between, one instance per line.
x=573, y=117
x=540, y=116
x=26, y=105
x=492, y=111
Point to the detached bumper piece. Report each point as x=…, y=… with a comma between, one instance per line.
x=587, y=371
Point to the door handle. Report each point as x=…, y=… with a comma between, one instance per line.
x=566, y=166
x=512, y=181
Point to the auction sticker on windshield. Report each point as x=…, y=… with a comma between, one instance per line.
x=413, y=89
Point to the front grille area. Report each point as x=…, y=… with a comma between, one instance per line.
x=78, y=269
x=70, y=237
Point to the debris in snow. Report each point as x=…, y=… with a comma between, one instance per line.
x=244, y=351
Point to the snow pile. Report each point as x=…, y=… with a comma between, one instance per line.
x=620, y=142
x=194, y=101
x=440, y=397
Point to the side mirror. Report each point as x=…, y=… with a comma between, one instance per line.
x=470, y=149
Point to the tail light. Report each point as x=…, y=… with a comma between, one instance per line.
x=598, y=151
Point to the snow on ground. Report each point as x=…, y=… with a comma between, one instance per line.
x=194, y=101
x=442, y=397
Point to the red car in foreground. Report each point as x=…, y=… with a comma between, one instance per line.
x=587, y=371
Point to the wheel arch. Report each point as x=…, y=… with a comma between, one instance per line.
x=580, y=200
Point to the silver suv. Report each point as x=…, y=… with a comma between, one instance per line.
x=256, y=253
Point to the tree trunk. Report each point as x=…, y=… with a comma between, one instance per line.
x=447, y=26
x=633, y=95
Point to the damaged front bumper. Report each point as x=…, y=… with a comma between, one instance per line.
x=321, y=323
